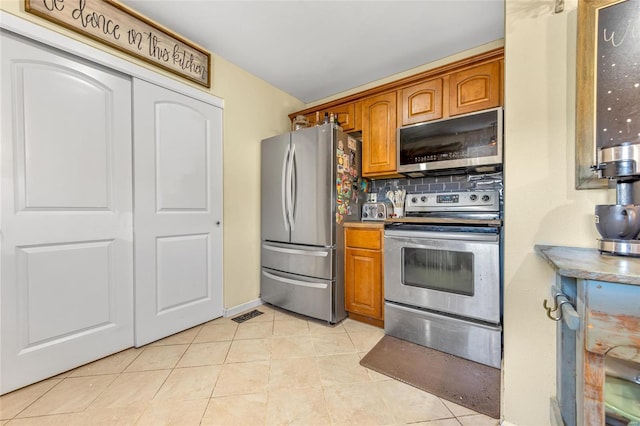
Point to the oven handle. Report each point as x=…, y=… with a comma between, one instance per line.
x=457, y=236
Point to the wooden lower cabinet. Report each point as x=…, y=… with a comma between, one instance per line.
x=364, y=296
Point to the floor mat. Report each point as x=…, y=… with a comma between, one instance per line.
x=467, y=383
x=247, y=316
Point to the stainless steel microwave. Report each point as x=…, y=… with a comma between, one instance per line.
x=470, y=142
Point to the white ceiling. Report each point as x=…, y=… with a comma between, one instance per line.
x=315, y=49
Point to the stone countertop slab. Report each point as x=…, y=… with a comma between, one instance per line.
x=588, y=263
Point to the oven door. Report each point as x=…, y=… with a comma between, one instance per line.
x=456, y=273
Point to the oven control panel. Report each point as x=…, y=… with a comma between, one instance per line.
x=488, y=201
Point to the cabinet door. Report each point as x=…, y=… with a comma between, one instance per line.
x=178, y=210
x=363, y=284
x=345, y=115
x=357, y=117
x=313, y=118
x=364, y=238
x=379, y=135
x=475, y=89
x=67, y=261
x=421, y=102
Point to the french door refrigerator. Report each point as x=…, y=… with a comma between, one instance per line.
x=309, y=188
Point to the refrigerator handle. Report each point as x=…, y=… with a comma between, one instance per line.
x=317, y=253
x=295, y=282
x=294, y=186
x=290, y=188
x=284, y=196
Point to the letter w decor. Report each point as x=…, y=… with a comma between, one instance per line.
x=116, y=25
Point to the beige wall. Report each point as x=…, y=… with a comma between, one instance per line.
x=541, y=204
x=253, y=110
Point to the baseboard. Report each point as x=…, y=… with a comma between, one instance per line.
x=371, y=321
x=238, y=309
x=555, y=415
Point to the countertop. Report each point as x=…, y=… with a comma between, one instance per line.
x=364, y=224
x=589, y=264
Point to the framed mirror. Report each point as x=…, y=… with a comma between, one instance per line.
x=608, y=81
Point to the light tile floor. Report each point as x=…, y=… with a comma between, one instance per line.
x=276, y=369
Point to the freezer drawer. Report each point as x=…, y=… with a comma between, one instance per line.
x=301, y=260
x=470, y=340
x=304, y=295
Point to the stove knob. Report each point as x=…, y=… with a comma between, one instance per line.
x=423, y=198
x=380, y=215
x=414, y=199
x=365, y=214
x=473, y=197
x=485, y=198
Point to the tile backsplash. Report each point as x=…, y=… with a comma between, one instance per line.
x=446, y=183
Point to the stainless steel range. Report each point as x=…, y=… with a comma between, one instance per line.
x=442, y=264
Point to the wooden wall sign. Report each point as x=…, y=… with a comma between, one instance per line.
x=118, y=26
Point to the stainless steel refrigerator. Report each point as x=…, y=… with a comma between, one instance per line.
x=309, y=188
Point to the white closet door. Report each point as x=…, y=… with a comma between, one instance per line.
x=66, y=213
x=178, y=212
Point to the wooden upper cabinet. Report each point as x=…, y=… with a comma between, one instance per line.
x=475, y=88
x=345, y=114
x=468, y=85
x=312, y=119
x=357, y=122
x=421, y=102
x=379, y=134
